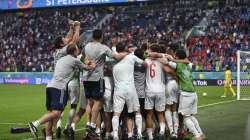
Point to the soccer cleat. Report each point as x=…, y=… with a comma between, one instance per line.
x=58, y=132
x=91, y=131
x=140, y=137
x=223, y=96
x=33, y=130
x=131, y=138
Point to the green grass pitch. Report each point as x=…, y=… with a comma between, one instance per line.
x=20, y=104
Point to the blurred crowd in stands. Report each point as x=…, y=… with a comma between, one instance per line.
x=26, y=39
x=228, y=31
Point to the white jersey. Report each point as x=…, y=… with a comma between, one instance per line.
x=123, y=72
x=76, y=80
x=155, y=78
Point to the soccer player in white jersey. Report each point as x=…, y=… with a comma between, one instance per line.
x=155, y=93
x=108, y=95
x=56, y=97
x=172, y=96
x=188, y=97
x=125, y=93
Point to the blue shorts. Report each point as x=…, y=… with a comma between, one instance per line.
x=94, y=89
x=56, y=99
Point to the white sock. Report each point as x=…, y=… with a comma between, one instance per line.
x=71, y=116
x=162, y=128
x=138, y=122
x=48, y=138
x=150, y=133
x=36, y=123
x=176, y=122
x=73, y=125
x=115, y=125
x=59, y=123
x=190, y=125
x=93, y=125
x=169, y=119
x=130, y=134
x=98, y=131
x=88, y=123
x=196, y=123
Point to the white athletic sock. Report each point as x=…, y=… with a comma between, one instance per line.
x=88, y=123
x=196, y=123
x=93, y=125
x=138, y=122
x=71, y=116
x=59, y=123
x=169, y=119
x=36, y=123
x=115, y=125
x=130, y=134
x=48, y=138
x=190, y=125
x=98, y=131
x=150, y=133
x=162, y=128
x=73, y=125
x=176, y=122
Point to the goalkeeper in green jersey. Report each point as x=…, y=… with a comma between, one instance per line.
x=188, y=97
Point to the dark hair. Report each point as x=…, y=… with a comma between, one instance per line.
x=181, y=54
x=57, y=42
x=174, y=47
x=120, y=47
x=97, y=34
x=139, y=53
x=71, y=49
x=155, y=48
x=227, y=67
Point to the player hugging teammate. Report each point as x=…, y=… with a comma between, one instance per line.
x=146, y=83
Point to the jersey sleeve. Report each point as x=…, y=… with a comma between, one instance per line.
x=172, y=64
x=137, y=60
x=108, y=52
x=64, y=50
x=79, y=64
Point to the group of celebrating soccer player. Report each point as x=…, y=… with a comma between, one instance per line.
x=122, y=87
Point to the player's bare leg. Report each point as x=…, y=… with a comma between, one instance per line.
x=48, y=130
x=108, y=124
x=130, y=126
x=77, y=118
x=149, y=124
x=51, y=115
x=95, y=112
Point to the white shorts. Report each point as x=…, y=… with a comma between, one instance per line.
x=188, y=103
x=83, y=101
x=74, y=94
x=155, y=100
x=172, y=92
x=130, y=98
x=108, y=94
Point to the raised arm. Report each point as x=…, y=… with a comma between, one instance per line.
x=76, y=34
x=70, y=34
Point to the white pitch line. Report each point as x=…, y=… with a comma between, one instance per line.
x=217, y=103
x=40, y=137
x=12, y=123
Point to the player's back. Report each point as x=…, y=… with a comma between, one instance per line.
x=155, y=78
x=123, y=71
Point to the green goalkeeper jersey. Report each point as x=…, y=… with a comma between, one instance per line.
x=184, y=73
